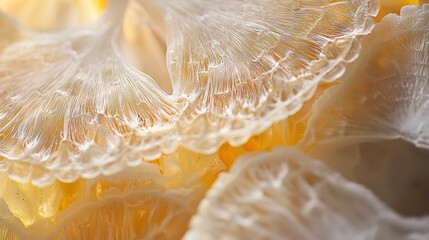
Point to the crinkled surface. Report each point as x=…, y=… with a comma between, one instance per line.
x=72, y=107
x=130, y=205
x=286, y=194
x=373, y=127
x=244, y=66
x=145, y=213
x=389, y=96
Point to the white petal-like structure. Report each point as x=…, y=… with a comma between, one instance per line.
x=374, y=126
x=389, y=96
x=245, y=65
x=72, y=107
x=286, y=194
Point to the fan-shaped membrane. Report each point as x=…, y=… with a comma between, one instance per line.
x=287, y=195
x=373, y=127
x=385, y=92
x=244, y=66
x=71, y=107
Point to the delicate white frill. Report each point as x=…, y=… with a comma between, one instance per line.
x=286, y=194
x=72, y=107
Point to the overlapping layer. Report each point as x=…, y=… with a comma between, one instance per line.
x=243, y=67
x=72, y=107
x=373, y=127
x=288, y=195
x=138, y=203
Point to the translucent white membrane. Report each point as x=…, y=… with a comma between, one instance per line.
x=385, y=92
x=72, y=107
x=374, y=126
x=242, y=66
x=143, y=43
x=287, y=195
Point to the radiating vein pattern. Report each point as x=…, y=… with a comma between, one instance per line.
x=285, y=194
x=72, y=107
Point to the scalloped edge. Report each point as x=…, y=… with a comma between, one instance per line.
x=407, y=12
x=290, y=155
x=240, y=136
x=236, y=137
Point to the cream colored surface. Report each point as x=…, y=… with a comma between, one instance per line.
x=53, y=14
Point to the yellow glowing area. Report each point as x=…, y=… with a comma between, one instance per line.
x=163, y=192
x=394, y=6
x=54, y=14
x=100, y=5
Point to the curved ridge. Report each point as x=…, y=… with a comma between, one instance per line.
x=75, y=109
x=286, y=194
x=388, y=99
x=243, y=67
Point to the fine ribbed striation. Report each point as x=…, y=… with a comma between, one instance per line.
x=130, y=205
x=286, y=194
x=389, y=96
x=72, y=107
x=244, y=66
x=139, y=212
x=373, y=127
